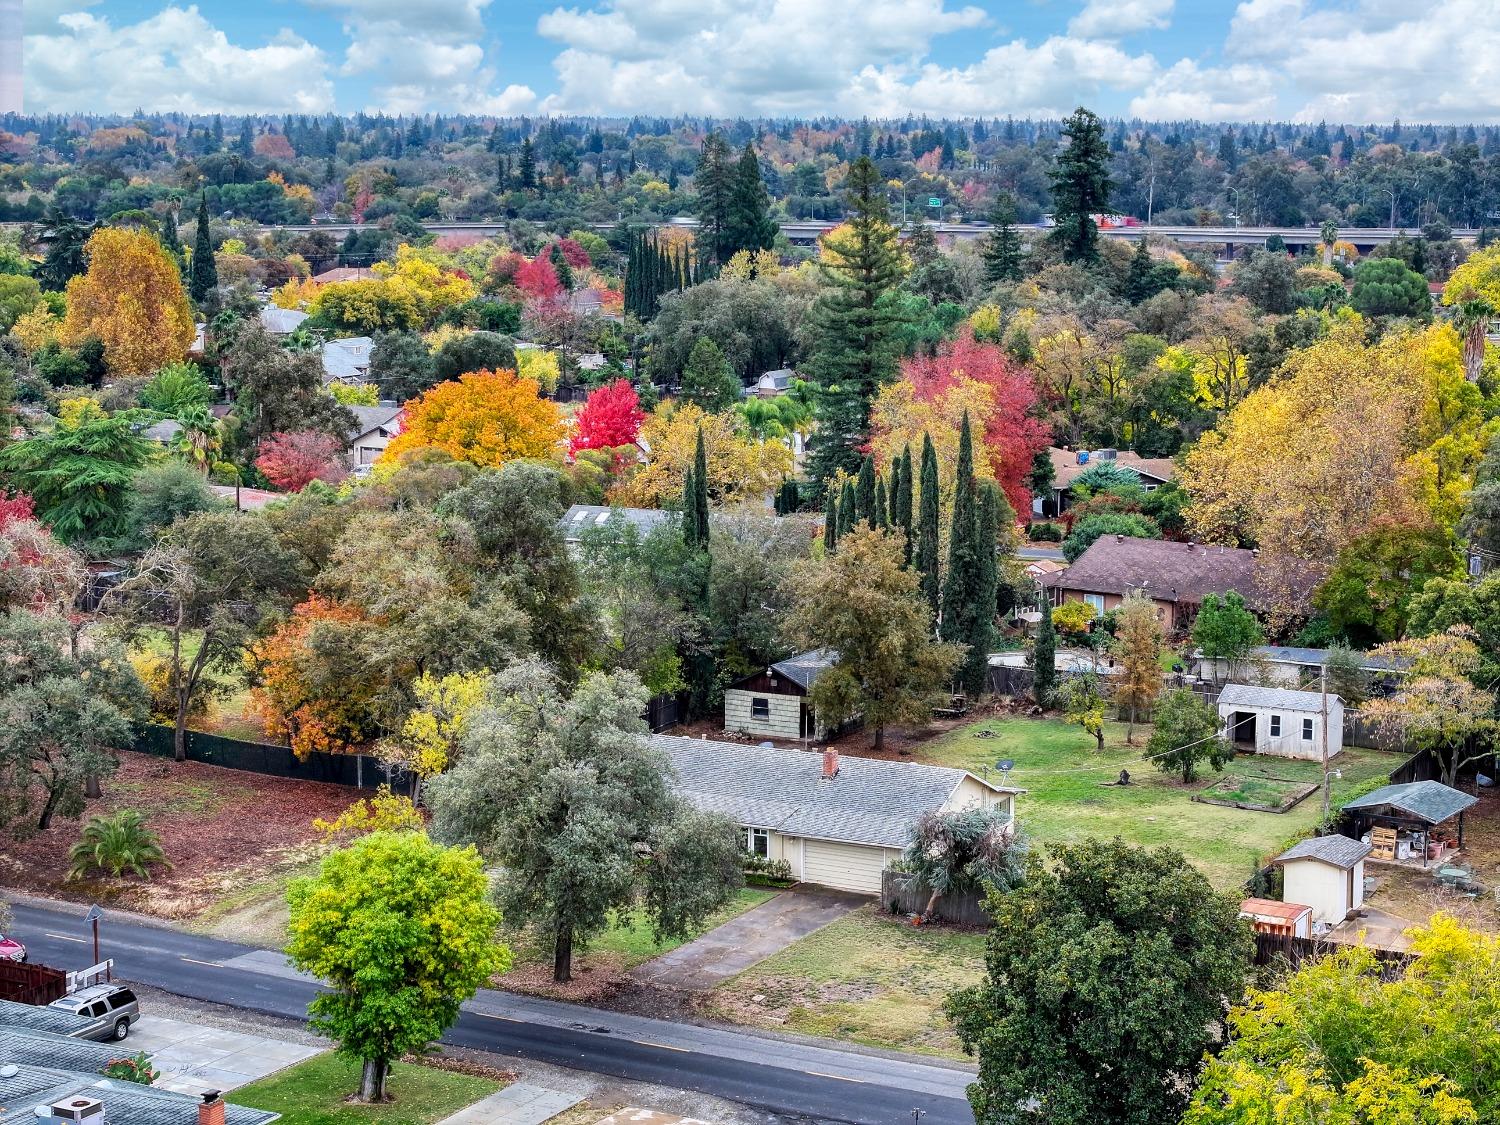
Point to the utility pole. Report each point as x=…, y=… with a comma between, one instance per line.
x=1323, y=692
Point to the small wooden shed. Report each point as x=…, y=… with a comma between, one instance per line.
x=1281, y=722
x=1286, y=919
x=774, y=703
x=1328, y=874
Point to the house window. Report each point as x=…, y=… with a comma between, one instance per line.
x=1275, y=726
x=1095, y=600
x=760, y=709
x=1307, y=728
x=758, y=842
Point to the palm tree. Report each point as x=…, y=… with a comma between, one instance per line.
x=199, y=441
x=116, y=844
x=1471, y=317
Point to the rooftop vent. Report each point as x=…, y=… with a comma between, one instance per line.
x=77, y=1109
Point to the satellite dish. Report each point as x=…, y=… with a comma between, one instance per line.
x=1005, y=765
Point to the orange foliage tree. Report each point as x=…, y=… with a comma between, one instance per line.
x=486, y=418
x=132, y=300
x=303, y=691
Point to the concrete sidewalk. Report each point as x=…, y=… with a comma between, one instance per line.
x=520, y=1103
x=743, y=941
x=195, y=1058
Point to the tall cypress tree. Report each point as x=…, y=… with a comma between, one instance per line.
x=750, y=224
x=1002, y=248
x=882, y=518
x=1080, y=187
x=847, y=509
x=171, y=241
x=975, y=668
x=901, y=502
x=204, y=277
x=714, y=182
x=690, y=532
x=961, y=582
x=864, y=492
x=830, y=522
x=700, y=492
x=1043, y=659
x=855, y=339
x=927, y=526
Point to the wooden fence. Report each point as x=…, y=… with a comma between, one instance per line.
x=1291, y=952
x=902, y=893
x=31, y=984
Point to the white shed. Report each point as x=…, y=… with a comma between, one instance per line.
x=1279, y=721
x=1326, y=873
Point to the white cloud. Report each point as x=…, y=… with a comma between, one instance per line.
x=1107, y=19
x=815, y=56
x=1242, y=92
x=42, y=15
x=424, y=55
x=175, y=60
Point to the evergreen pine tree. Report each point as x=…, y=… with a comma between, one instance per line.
x=171, y=241
x=830, y=522
x=864, y=492
x=961, y=581
x=750, y=224
x=707, y=379
x=881, y=518
x=1080, y=187
x=1002, y=247
x=690, y=533
x=901, y=502
x=528, y=166
x=245, y=146
x=847, y=508
x=856, y=326
x=204, y=277
x=927, y=526
x=714, y=182
x=1043, y=659
x=1140, y=282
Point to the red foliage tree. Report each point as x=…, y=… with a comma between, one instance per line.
x=502, y=269
x=538, y=279
x=15, y=506
x=611, y=417
x=292, y=461
x=574, y=254
x=1012, y=435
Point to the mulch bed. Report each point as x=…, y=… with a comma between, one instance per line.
x=213, y=823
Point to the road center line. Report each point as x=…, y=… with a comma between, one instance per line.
x=195, y=961
x=661, y=1046
x=492, y=1016
x=66, y=937
x=840, y=1077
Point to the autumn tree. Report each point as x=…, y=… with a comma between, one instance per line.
x=611, y=418
x=293, y=461
x=864, y=604
x=486, y=418
x=1137, y=642
x=1081, y=699
x=131, y=300
x=400, y=929
x=568, y=797
x=739, y=467
x=1472, y=293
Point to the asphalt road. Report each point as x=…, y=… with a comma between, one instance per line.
x=793, y=1079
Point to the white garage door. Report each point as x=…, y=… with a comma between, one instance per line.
x=848, y=867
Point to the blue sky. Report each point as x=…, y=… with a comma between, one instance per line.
x=1343, y=60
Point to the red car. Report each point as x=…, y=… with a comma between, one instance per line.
x=11, y=949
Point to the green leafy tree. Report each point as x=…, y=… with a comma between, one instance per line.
x=203, y=277
x=1096, y=525
x=1106, y=973
x=569, y=798
x=857, y=324
x=79, y=475
x=1003, y=254
x=1367, y=595
x=1083, y=704
x=470, y=352
x=1080, y=186
x=66, y=238
x=902, y=508
x=1226, y=630
x=864, y=492
x=864, y=604
x=164, y=492
x=115, y=844
x=402, y=366
x=276, y=391
x=1386, y=287
x=972, y=849
x=1186, y=735
x=708, y=380
x=401, y=930
x=175, y=388
x=750, y=226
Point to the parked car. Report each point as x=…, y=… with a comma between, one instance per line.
x=110, y=1009
x=11, y=949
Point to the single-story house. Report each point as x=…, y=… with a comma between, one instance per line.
x=837, y=821
x=1326, y=873
x=374, y=428
x=1280, y=721
x=27, y=1046
x=774, y=383
x=1401, y=820
x=1293, y=666
x=347, y=360
x=592, y=361
x=70, y=1096
x=580, y=517
x=774, y=703
x=1068, y=465
x=281, y=322
x=345, y=273
x=1175, y=576
x=1287, y=919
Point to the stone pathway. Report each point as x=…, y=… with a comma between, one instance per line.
x=743, y=941
x=194, y=1058
x=518, y=1104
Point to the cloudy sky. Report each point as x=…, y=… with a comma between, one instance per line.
x=1343, y=60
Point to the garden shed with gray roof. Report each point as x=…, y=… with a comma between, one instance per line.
x=835, y=820
x=1326, y=873
x=1280, y=721
x=775, y=704
x=1416, y=810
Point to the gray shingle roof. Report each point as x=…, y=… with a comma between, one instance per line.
x=37, y=1018
x=24, y=1046
x=1295, y=654
x=281, y=321
x=805, y=668
x=581, y=517
x=368, y=418
x=869, y=802
x=1248, y=695
x=1428, y=801
x=125, y=1103
x=1340, y=851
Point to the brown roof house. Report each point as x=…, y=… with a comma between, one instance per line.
x=1175, y=576
x=1070, y=464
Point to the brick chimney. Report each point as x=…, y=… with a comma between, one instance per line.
x=830, y=762
x=211, y=1109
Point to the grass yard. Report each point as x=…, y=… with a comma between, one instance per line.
x=314, y=1093
x=1066, y=799
x=1270, y=793
x=867, y=978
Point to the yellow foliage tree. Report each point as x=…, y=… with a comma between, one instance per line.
x=430, y=286
x=368, y=306
x=37, y=329
x=298, y=293
x=429, y=738
x=384, y=812
x=485, y=418
x=740, y=468
x=131, y=299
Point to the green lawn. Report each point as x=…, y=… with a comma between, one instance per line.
x=867, y=978
x=1066, y=798
x=314, y=1093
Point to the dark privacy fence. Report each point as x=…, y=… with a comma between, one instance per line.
x=358, y=770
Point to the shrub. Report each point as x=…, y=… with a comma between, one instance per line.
x=1044, y=533
x=138, y=1070
x=760, y=871
x=1073, y=619
x=115, y=844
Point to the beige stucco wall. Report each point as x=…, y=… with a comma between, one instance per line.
x=1323, y=887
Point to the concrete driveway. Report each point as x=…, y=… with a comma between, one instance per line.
x=753, y=936
x=195, y=1058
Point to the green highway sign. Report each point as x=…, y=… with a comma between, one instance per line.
x=934, y=201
